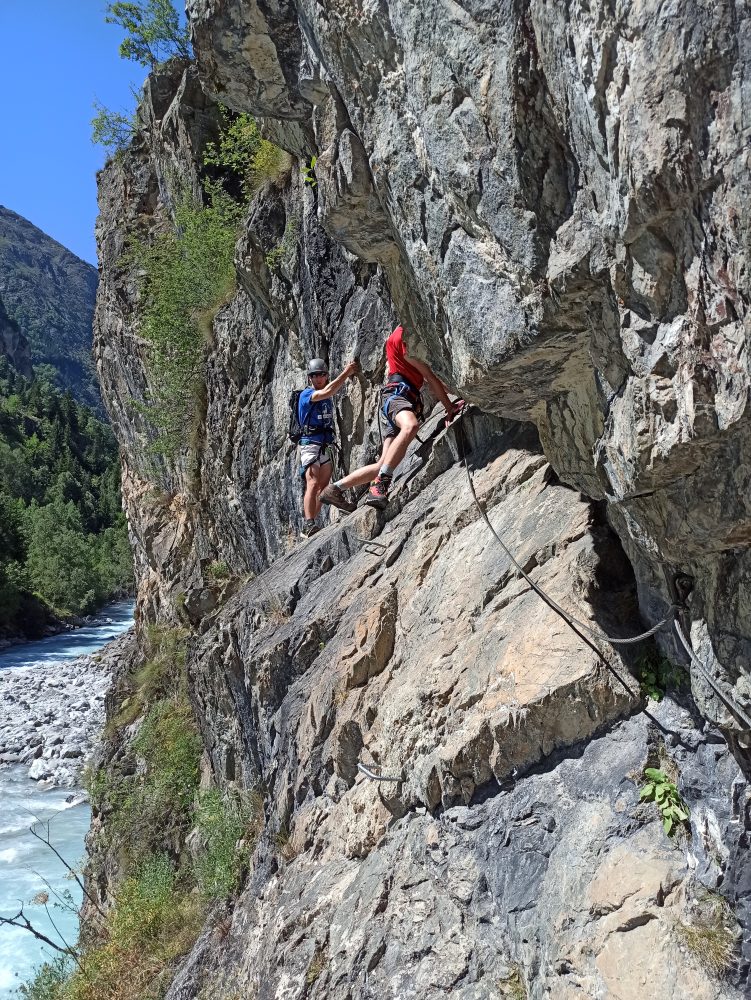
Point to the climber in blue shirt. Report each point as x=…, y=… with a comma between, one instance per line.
x=316, y=417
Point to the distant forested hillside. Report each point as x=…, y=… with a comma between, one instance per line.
x=49, y=293
x=63, y=539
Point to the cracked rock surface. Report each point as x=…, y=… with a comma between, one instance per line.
x=553, y=199
x=513, y=843
x=558, y=196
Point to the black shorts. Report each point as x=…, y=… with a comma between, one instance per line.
x=392, y=404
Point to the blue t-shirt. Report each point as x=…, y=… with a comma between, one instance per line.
x=316, y=418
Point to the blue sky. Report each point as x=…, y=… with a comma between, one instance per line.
x=56, y=58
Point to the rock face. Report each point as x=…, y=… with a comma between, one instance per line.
x=551, y=198
x=48, y=293
x=13, y=344
x=562, y=876
x=557, y=197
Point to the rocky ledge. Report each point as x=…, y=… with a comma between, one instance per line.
x=51, y=716
x=509, y=854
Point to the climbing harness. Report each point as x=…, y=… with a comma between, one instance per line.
x=397, y=385
x=298, y=430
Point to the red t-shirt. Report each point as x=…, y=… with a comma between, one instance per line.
x=397, y=362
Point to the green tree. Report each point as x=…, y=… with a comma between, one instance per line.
x=154, y=32
x=111, y=129
x=61, y=560
x=62, y=532
x=13, y=584
x=114, y=560
x=12, y=546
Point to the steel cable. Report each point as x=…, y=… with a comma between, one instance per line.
x=575, y=625
x=726, y=699
x=372, y=775
x=568, y=618
x=572, y=622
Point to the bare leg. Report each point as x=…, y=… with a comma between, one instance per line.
x=324, y=478
x=367, y=473
x=408, y=426
x=316, y=478
x=394, y=450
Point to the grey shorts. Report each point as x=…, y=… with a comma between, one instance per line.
x=394, y=404
x=313, y=454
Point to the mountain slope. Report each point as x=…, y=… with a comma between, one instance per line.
x=49, y=293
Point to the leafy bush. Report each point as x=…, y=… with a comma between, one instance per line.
x=148, y=909
x=153, y=808
x=95, y=783
x=157, y=911
x=663, y=792
x=219, y=571
x=228, y=826
x=170, y=745
x=112, y=129
x=657, y=675
x=50, y=981
x=164, y=670
x=243, y=159
x=161, y=675
x=308, y=172
x=154, y=922
x=188, y=273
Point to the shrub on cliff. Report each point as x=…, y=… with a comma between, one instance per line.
x=188, y=274
x=155, y=921
x=112, y=129
x=152, y=809
x=178, y=849
x=242, y=160
x=228, y=826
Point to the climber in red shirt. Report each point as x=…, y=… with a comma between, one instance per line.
x=400, y=413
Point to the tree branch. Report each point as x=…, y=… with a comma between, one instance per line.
x=22, y=921
x=47, y=842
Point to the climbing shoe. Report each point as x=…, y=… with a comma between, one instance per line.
x=335, y=496
x=378, y=494
x=310, y=527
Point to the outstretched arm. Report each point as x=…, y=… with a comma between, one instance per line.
x=335, y=384
x=436, y=386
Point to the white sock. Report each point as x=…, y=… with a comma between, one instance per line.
x=386, y=470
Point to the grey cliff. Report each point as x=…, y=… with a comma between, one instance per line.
x=553, y=198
